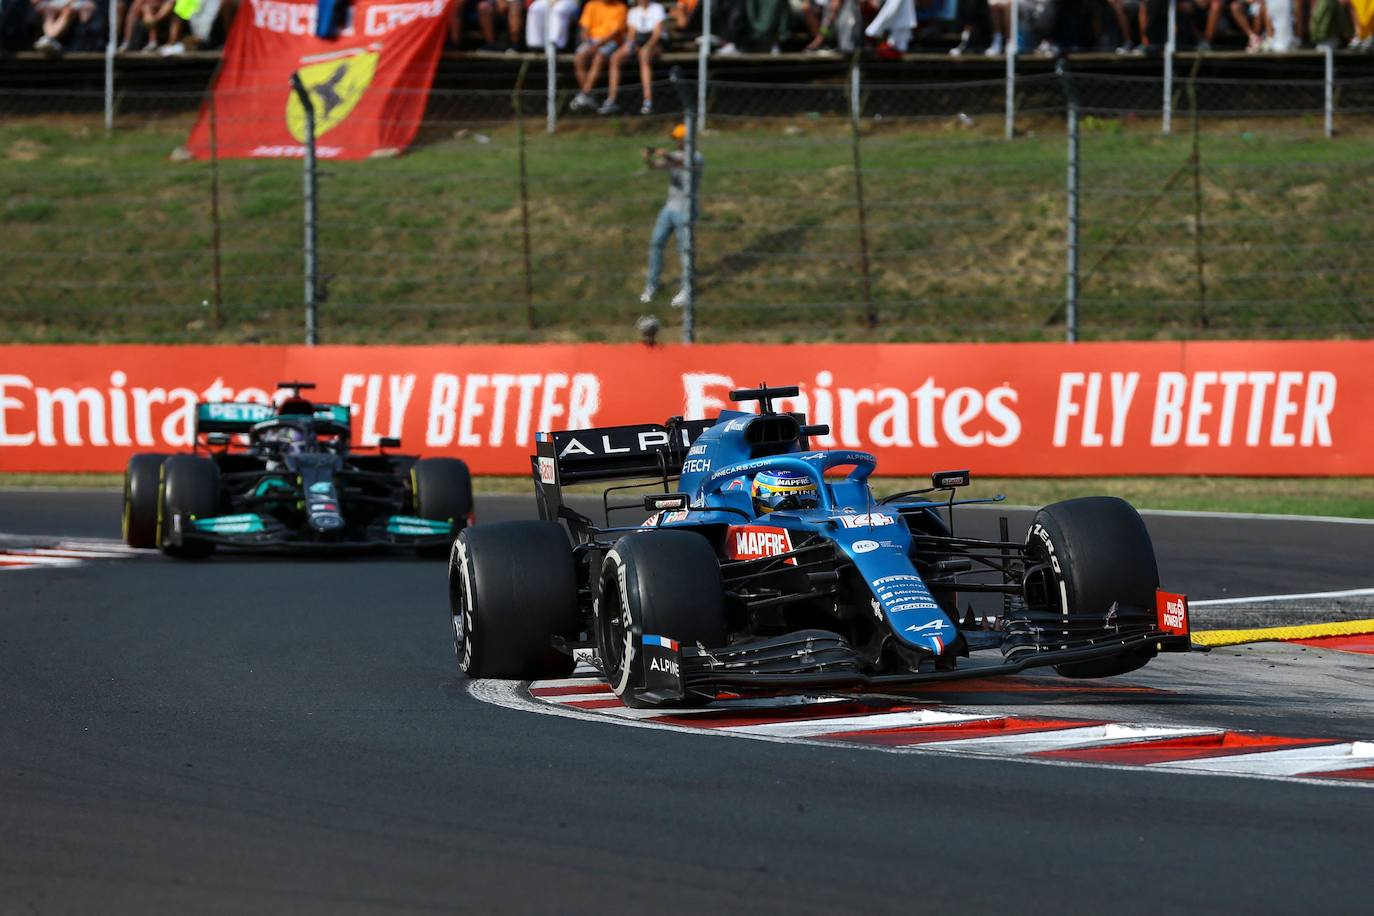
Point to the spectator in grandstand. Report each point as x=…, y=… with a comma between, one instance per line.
x=1250, y=16
x=896, y=19
x=974, y=20
x=154, y=15
x=549, y=20
x=813, y=13
x=1121, y=11
x=676, y=216
x=58, y=18
x=603, y=28
x=644, y=39
x=1208, y=12
x=999, y=11
x=485, y=14
x=1361, y=13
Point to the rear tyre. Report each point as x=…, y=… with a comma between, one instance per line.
x=512, y=588
x=1103, y=554
x=190, y=488
x=141, y=481
x=441, y=489
x=661, y=583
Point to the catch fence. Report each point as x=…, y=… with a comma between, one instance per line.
x=850, y=209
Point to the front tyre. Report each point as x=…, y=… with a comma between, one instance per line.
x=661, y=583
x=441, y=490
x=512, y=589
x=190, y=489
x=142, y=478
x=1100, y=553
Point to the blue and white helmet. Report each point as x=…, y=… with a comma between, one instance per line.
x=774, y=490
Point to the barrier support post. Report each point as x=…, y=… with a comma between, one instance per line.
x=311, y=262
x=703, y=54
x=870, y=316
x=110, y=45
x=551, y=59
x=1071, y=233
x=1013, y=45
x=1329, y=88
x=689, y=269
x=524, y=192
x=1170, y=45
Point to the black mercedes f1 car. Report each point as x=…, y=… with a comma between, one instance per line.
x=288, y=478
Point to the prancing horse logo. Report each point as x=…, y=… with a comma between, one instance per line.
x=336, y=83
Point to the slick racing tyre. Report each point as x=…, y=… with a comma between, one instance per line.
x=141, y=480
x=660, y=583
x=1104, y=555
x=512, y=588
x=441, y=489
x=190, y=488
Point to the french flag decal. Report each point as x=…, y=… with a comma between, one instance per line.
x=662, y=641
x=938, y=644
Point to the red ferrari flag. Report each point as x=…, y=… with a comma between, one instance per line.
x=369, y=85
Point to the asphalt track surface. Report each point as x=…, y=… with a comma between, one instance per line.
x=266, y=734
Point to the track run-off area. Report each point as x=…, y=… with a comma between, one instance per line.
x=273, y=734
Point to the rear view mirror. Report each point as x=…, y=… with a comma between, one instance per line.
x=388, y=442
x=948, y=480
x=665, y=502
x=217, y=439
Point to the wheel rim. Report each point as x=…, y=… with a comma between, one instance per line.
x=611, y=623
x=462, y=614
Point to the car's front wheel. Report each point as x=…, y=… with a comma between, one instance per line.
x=512, y=588
x=659, y=583
x=141, y=481
x=1099, y=553
x=190, y=488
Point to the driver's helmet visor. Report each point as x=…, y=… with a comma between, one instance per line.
x=776, y=490
x=288, y=439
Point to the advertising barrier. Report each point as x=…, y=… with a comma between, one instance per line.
x=368, y=84
x=1032, y=409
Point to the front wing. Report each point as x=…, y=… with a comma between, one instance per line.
x=271, y=536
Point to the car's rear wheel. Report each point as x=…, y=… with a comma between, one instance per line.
x=512, y=589
x=1099, y=554
x=660, y=583
x=142, y=478
x=441, y=490
x=190, y=488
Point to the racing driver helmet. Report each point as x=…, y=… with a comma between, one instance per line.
x=774, y=490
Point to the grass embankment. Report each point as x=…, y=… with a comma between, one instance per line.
x=1351, y=497
x=109, y=240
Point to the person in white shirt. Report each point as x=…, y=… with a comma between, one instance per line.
x=646, y=22
x=542, y=23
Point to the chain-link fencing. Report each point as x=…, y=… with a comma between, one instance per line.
x=897, y=212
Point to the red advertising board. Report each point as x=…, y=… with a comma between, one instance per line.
x=368, y=86
x=1250, y=408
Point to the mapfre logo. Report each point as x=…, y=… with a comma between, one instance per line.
x=753, y=542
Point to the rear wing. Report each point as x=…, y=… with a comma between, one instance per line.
x=609, y=453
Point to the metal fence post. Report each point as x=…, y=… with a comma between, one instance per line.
x=1170, y=45
x=1329, y=87
x=217, y=305
x=689, y=269
x=524, y=193
x=1071, y=229
x=551, y=56
x=110, y=46
x=703, y=53
x=1013, y=45
x=311, y=263
x=870, y=316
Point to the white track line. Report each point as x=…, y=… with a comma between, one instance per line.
x=819, y=728
x=1298, y=596
x=1321, y=758
x=1063, y=739
x=514, y=695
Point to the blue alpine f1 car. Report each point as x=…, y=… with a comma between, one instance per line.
x=771, y=565
x=286, y=477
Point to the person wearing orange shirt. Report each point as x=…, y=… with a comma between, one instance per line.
x=603, y=26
